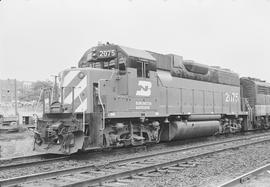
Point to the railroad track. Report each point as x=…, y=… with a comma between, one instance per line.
x=30, y=162
x=22, y=158
x=257, y=177
x=124, y=170
x=39, y=159
x=17, y=162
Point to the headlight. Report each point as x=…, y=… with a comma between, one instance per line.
x=81, y=75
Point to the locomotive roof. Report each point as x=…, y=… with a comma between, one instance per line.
x=257, y=81
x=137, y=53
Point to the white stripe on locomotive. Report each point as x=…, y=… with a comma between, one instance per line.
x=82, y=107
x=69, y=77
x=78, y=89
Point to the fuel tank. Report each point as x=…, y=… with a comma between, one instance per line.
x=204, y=117
x=178, y=130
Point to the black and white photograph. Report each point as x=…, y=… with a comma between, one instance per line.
x=135, y=93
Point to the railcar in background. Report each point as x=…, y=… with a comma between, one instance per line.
x=120, y=96
x=257, y=94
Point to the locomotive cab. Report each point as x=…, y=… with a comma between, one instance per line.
x=127, y=98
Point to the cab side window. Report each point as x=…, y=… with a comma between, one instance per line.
x=122, y=66
x=140, y=69
x=143, y=69
x=121, y=62
x=147, y=70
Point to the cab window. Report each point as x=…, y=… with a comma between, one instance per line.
x=147, y=70
x=121, y=62
x=122, y=66
x=143, y=70
x=109, y=64
x=140, y=69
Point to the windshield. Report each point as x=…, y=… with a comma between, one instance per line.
x=104, y=64
x=111, y=64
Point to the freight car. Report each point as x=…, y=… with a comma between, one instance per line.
x=120, y=96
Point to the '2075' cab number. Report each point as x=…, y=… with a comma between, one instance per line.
x=107, y=53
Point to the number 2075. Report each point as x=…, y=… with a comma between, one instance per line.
x=108, y=53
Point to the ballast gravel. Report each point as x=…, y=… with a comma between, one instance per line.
x=213, y=170
x=87, y=159
x=210, y=171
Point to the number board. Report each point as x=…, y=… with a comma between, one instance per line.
x=108, y=53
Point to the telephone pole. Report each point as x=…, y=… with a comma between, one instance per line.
x=16, y=100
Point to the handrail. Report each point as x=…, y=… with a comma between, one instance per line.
x=100, y=100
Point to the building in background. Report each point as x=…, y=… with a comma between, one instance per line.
x=7, y=90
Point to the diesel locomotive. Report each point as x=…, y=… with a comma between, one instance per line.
x=120, y=96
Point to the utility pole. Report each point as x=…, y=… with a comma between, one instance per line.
x=16, y=101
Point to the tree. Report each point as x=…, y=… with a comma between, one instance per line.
x=34, y=93
x=37, y=86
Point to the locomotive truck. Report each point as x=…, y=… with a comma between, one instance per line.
x=120, y=96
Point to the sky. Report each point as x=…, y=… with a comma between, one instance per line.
x=39, y=38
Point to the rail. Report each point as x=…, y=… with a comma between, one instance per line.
x=135, y=165
x=244, y=179
x=25, y=161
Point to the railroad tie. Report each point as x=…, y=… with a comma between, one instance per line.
x=136, y=165
x=175, y=168
x=114, y=184
x=138, y=177
x=71, y=178
x=165, y=170
x=152, y=174
x=97, y=172
x=124, y=180
x=149, y=162
x=186, y=165
x=82, y=176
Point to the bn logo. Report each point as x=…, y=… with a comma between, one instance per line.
x=145, y=88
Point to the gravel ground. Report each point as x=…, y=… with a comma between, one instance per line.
x=85, y=159
x=214, y=170
x=16, y=144
x=211, y=170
